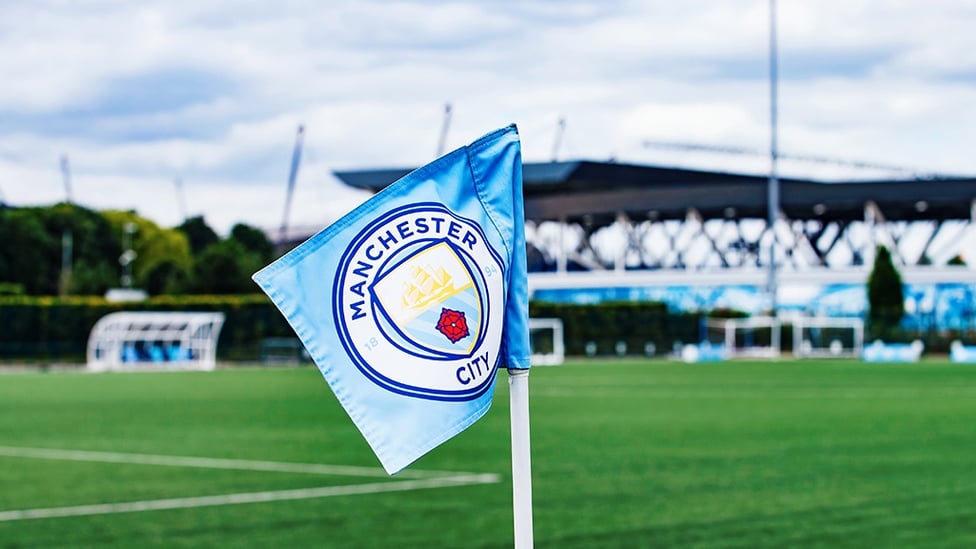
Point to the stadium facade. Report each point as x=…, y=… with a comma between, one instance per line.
x=700, y=240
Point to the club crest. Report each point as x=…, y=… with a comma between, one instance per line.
x=415, y=293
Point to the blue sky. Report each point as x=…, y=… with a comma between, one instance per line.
x=211, y=91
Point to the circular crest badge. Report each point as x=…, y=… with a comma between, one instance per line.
x=418, y=303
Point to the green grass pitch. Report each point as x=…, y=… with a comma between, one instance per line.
x=625, y=454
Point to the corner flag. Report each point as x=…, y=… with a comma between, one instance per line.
x=410, y=303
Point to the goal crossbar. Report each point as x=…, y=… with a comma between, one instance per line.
x=837, y=337
x=738, y=336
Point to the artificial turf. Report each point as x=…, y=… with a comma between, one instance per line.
x=644, y=453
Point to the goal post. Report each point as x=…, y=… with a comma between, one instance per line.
x=826, y=337
x=546, y=338
x=748, y=337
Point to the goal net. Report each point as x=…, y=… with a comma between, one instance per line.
x=750, y=337
x=546, y=337
x=822, y=337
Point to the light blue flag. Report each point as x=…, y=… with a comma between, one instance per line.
x=411, y=303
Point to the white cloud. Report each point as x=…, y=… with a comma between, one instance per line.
x=212, y=91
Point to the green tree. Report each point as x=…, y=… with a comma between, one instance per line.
x=95, y=245
x=198, y=233
x=33, y=248
x=24, y=255
x=225, y=268
x=886, y=299
x=94, y=278
x=166, y=264
x=253, y=240
x=167, y=277
x=163, y=262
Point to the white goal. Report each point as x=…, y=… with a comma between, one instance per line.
x=749, y=337
x=154, y=341
x=546, y=337
x=823, y=337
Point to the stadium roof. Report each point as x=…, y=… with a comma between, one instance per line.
x=595, y=192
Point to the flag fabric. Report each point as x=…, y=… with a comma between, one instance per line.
x=411, y=303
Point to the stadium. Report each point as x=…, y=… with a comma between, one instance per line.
x=720, y=356
x=631, y=446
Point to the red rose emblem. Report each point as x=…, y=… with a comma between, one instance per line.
x=453, y=325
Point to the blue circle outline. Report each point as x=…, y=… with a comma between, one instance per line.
x=346, y=340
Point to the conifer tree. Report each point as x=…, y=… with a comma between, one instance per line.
x=886, y=299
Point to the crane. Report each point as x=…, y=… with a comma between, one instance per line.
x=180, y=197
x=66, y=177
x=560, y=130
x=442, y=142
x=67, y=235
x=296, y=159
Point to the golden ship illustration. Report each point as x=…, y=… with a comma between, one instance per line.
x=429, y=284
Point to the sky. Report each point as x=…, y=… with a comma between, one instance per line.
x=138, y=95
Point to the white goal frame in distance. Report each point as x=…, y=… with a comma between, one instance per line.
x=131, y=341
x=729, y=327
x=558, y=354
x=802, y=323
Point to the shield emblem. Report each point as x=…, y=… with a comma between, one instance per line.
x=431, y=302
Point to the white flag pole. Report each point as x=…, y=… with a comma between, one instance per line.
x=518, y=383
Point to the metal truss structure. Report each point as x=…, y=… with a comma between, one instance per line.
x=597, y=216
x=698, y=244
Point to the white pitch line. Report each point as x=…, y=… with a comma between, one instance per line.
x=252, y=497
x=215, y=463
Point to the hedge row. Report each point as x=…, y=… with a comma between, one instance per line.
x=615, y=327
x=42, y=328
x=56, y=328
